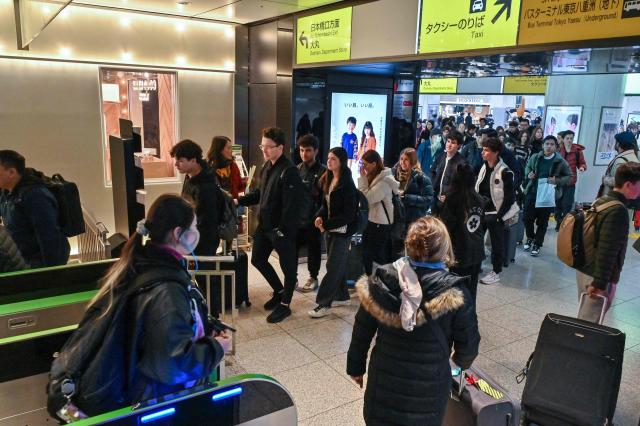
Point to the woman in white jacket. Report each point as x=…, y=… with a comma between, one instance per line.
x=377, y=183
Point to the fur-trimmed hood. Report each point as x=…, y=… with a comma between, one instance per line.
x=380, y=294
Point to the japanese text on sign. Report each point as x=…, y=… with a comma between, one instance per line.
x=324, y=37
x=438, y=85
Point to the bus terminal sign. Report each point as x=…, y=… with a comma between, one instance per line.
x=324, y=37
x=468, y=24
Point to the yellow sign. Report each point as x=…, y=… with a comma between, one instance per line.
x=525, y=85
x=324, y=37
x=438, y=85
x=468, y=24
x=550, y=21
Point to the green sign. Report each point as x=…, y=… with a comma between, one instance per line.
x=324, y=37
x=468, y=24
x=439, y=85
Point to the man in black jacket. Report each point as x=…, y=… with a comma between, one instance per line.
x=310, y=172
x=446, y=165
x=29, y=212
x=278, y=219
x=200, y=187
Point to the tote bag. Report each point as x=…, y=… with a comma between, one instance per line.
x=546, y=195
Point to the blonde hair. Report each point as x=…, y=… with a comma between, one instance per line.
x=412, y=155
x=428, y=241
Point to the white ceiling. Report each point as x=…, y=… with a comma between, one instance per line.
x=236, y=11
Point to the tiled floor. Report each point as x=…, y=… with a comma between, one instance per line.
x=308, y=356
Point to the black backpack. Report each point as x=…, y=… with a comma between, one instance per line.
x=90, y=370
x=228, y=226
x=362, y=215
x=67, y=195
x=398, y=228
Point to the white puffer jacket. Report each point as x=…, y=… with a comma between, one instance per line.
x=380, y=191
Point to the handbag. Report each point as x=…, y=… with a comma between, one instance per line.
x=546, y=194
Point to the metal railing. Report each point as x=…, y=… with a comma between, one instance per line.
x=93, y=244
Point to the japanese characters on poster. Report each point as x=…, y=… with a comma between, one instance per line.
x=560, y=118
x=358, y=124
x=324, y=37
x=609, y=125
x=468, y=24
x=550, y=21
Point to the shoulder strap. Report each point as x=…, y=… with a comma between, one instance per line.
x=385, y=211
x=607, y=205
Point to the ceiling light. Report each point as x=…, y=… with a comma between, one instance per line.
x=127, y=56
x=181, y=60
x=229, y=32
x=65, y=52
x=125, y=21
x=181, y=27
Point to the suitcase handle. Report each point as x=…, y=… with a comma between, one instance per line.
x=605, y=300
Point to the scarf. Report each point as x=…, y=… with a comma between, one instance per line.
x=403, y=178
x=411, y=293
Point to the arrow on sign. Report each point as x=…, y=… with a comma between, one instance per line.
x=506, y=5
x=304, y=40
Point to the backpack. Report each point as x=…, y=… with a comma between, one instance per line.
x=70, y=215
x=398, y=227
x=362, y=215
x=90, y=370
x=228, y=226
x=304, y=201
x=576, y=242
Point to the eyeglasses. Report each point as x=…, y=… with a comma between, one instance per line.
x=267, y=147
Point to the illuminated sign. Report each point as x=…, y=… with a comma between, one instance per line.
x=468, y=24
x=324, y=37
x=545, y=21
x=525, y=85
x=438, y=85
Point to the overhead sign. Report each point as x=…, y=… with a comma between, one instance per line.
x=324, y=37
x=545, y=21
x=525, y=85
x=468, y=24
x=438, y=85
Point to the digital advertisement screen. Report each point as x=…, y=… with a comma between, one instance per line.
x=358, y=124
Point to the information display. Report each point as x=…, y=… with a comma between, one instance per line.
x=525, y=85
x=438, y=85
x=468, y=24
x=324, y=37
x=358, y=124
x=545, y=21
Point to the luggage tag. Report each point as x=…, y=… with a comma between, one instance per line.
x=488, y=389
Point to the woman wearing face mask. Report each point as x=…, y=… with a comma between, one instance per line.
x=170, y=345
x=424, y=151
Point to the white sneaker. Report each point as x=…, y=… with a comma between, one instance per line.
x=341, y=302
x=319, y=312
x=309, y=286
x=490, y=278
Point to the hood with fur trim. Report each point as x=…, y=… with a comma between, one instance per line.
x=380, y=294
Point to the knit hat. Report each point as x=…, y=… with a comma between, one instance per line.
x=626, y=140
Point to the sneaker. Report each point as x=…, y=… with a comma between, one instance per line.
x=490, y=278
x=279, y=313
x=346, y=302
x=535, y=251
x=272, y=303
x=319, y=312
x=309, y=286
x=528, y=244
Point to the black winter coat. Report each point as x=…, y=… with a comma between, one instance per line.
x=417, y=197
x=441, y=177
x=409, y=374
x=276, y=196
x=10, y=257
x=343, y=207
x=203, y=191
x=466, y=228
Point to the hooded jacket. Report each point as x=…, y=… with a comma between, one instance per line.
x=575, y=159
x=409, y=375
x=380, y=191
x=417, y=196
x=10, y=257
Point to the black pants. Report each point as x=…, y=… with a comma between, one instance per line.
x=469, y=271
x=333, y=286
x=496, y=234
x=376, y=246
x=312, y=238
x=565, y=204
x=264, y=242
x=536, y=220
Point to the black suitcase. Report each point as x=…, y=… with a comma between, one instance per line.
x=573, y=376
x=355, y=268
x=241, y=267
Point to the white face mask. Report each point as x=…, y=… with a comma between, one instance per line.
x=436, y=139
x=188, y=241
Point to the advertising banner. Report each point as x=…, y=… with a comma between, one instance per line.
x=525, y=85
x=324, y=37
x=468, y=24
x=551, y=21
x=438, y=85
x=609, y=125
x=560, y=118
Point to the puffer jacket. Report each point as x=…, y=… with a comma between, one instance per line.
x=409, y=376
x=575, y=159
x=10, y=257
x=380, y=191
x=610, y=175
x=417, y=196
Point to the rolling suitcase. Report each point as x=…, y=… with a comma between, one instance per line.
x=469, y=405
x=241, y=267
x=573, y=376
x=355, y=268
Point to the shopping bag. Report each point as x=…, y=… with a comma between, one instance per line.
x=546, y=195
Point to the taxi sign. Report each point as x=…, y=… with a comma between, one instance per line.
x=324, y=37
x=543, y=21
x=525, y=85
x=468, y=24
x=438, y=85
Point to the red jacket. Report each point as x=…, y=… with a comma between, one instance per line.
x=575, y=158
x=230, y=179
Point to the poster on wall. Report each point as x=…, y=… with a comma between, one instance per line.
x=358, y=124
x=633, y=117
x=560, y=118
x=609, y=121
